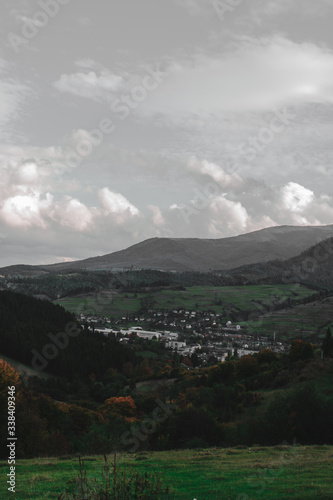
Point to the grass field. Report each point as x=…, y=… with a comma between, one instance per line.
x=308, y=321
x=286, y=472
x=218, y=299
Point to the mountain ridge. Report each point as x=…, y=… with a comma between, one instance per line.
x=196, y=254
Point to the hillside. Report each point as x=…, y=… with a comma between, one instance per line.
x=313, y=266
x=29, y=325
x=194, y=254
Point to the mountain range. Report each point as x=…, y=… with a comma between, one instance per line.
x=195, y=254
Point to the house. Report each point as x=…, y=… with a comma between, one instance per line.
x=143, y=334
x=175, y=345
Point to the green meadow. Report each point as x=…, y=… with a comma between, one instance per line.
x=286, y=472
x=307, y=321
x=218, y=299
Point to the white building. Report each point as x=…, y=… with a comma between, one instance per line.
x=175, y=344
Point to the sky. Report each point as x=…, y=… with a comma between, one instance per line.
x=124, y=120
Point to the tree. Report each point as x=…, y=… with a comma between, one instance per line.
x=328, y=344
x=124, y=406
x=195, y=359
x=247, y=366
x=300, y=350
x=266, y=356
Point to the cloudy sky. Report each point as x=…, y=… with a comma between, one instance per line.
x=124, y=120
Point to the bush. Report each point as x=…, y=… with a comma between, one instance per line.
x=302, y=414
x=190, y=425
x=114, y=485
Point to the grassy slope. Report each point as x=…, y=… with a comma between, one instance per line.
x=239, y=297
x=306, y=320
x=293, y=472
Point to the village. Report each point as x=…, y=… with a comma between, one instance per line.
x=206, y=334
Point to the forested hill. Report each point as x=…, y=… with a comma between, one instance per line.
x=314, y=266
x=19, y=310
x=25, y=327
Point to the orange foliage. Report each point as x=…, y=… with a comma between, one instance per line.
x=123, y=406
x=9, y=376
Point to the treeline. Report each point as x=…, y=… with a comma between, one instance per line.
x=263, y=398
x=91, y=403
x=45, y=336
x=59, y=285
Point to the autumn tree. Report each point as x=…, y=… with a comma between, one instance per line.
x=123, y=406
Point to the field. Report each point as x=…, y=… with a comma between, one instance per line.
x=308, y=321
x=286, y=472
x=200, y=298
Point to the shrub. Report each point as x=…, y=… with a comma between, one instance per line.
x=114, y=485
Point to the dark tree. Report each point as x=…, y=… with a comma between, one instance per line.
x=328, y=344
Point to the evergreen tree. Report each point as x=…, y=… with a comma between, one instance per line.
x=328, y=344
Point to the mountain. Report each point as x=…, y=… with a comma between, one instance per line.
x=312, y=266
x=194, y=254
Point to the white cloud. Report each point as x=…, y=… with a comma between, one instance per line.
x=86, y=63
x=296, y=197
x=72, y=214
x=116, y=203
x=26, y=210
x=263, y=11
x=215, y=172
x=12, y=95
x=91, y=85
x=227, y=213
x=27, y=173
x=158, y=218
x=257, y=75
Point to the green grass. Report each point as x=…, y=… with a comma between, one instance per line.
x=286, y=472
x=104, y=303
x=146, y=354
x=306, y=320
x=218, y=299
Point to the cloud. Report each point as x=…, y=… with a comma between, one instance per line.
x=256, y=75
x=115, y=203
x=270, y=9
x=158, y=218
x=72, y=214
x=26, y=210
x=13, y=94
x=86, y=63
x=27, y=173
x=296, y=197
x=91, y=85
x=227, y=213
x=215, y=172
x=196, y=7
